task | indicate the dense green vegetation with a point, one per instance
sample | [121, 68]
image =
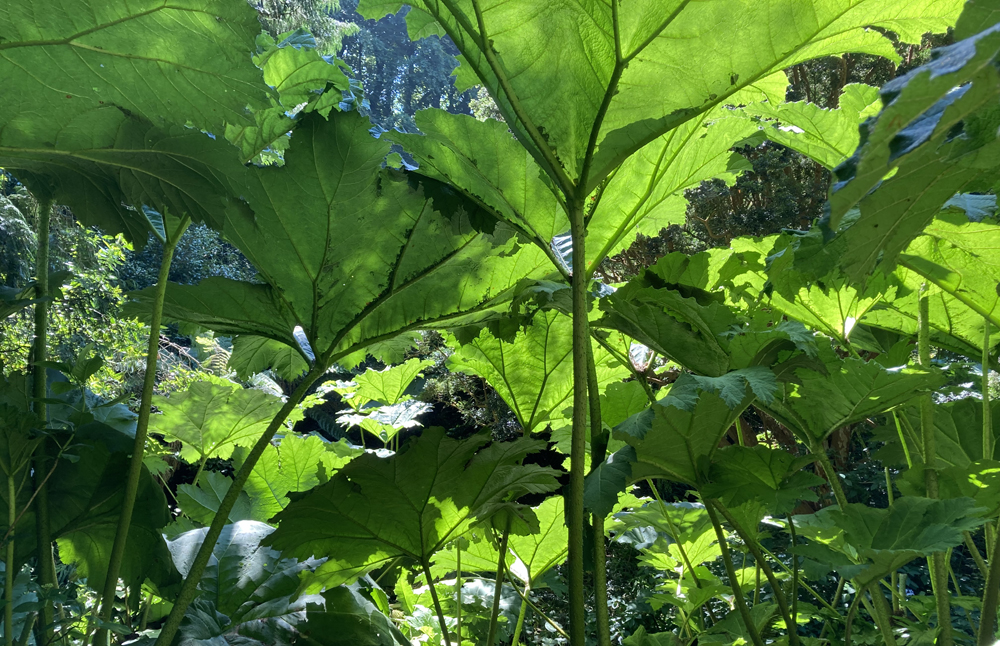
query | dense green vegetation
[656, 323]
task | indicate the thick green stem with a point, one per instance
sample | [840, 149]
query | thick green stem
[8, 587]
[498, 586]
[734, 582]
[991, 597]
[43, 532]
[189, 589]
[893, 578]
[578, 451]
[141, 428]
[598, 452]
[458, 591]
[547, 619]
[831, 474]
[519, 626]
[987, 410]
[970, 545]
[883, 616]
[937, 563]
[437, 603]
[779, 595]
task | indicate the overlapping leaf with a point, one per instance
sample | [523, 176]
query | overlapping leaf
[937, 132]
[98, 53]
[350, 252]
[676, 437]
[429, 493]
[879, 541]
[245, 590]
[615, 65]
[211, 418]
[298, 463]
[826, 136]
[773, 477]
[534, 374]
[852, 390]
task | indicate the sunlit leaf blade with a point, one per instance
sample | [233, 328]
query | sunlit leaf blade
[646, 194]
[484, 161]
[681, 328]
[616, 72]
[688, 526]
[388, 386]
[828, 136]
[86, 504]
[212, 418]
[253, 354]
[962, 258]
[761, 474]
[879, 541]
[675, 439]
[250, 585]
[107, 164]
[429, 494]
[607, 480]
[228, 307]
[352, 253]
[832, 306]
[851, 390]
[953, 325]
[87, 54]
[539, 552]
[919, 108]
[305, 82]
[298, 463]
[201, 502]
[958, 434]
[534, 374]
[348, 618]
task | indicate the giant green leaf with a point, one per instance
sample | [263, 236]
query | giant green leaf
[676, 437]
[211, 418]
[534, 374]
[688, 526]
[95, 108]
[539, 552]
[953, 325]
[107, 165]
[828, 136]
[86, 502]
[388, 386]
[851, 390]
[428, 494]
[253, 354]
[958, 434]
[485, 162]
[297, 463]
[773, 477]
[919, 108]
[251, 586]
[305, 82]
[962, 258]
[350, 252]
[683, 328]
[578, 78]
[348, 618]
[646, 194]
[880, 541]
[86, 494]
[168, 63]
[937, 135]
[201, 502]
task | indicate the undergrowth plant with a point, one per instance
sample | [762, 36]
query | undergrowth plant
[145, 117]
